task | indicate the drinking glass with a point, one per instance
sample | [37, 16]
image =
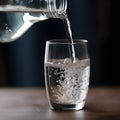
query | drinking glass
[67, 81]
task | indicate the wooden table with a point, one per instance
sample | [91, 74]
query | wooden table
[32, 104]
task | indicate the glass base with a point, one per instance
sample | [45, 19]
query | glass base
[73, 107]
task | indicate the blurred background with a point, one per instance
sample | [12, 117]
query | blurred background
[22, 61]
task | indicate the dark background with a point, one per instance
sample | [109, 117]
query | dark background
[22, 61]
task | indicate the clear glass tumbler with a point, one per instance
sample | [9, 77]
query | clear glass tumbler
[66, 81]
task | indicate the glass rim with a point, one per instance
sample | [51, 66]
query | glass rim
[65, 41]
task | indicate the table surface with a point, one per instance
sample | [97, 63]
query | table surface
[31, 104]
